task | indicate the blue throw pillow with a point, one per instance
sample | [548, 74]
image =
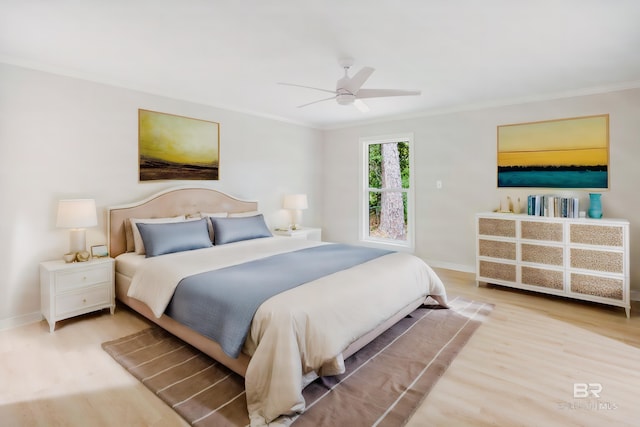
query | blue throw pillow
[166, 238]
[229, 230]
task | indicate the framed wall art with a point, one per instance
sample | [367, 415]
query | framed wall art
[566, 153]
[172, 147]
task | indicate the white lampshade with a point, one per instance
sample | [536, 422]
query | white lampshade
[77, 214]
[295, 201]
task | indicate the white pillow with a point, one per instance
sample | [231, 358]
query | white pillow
[243, 214]
[137, 238]
[214, 215]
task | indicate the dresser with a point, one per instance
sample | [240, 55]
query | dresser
[579, 258]
[71, 289]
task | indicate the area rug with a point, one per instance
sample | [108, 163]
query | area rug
[383, 384]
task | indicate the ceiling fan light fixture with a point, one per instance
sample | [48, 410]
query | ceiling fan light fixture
[345, 98]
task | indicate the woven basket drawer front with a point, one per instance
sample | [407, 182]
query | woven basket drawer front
[493, 249]
[605, 287]
[552, 279]
[536, 230]
[550, 255]
[496, 270]
[497, 227]
[603, 235]
[611, 262]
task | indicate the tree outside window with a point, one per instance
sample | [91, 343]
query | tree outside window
[388, 191]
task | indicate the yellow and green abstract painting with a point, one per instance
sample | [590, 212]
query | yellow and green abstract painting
[173, 147]
[567, 153]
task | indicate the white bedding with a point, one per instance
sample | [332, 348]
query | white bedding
[129, 262]
[289, 340]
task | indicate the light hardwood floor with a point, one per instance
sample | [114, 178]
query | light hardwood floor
[518, 369]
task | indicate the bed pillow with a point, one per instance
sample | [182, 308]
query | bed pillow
[166, 238]
[137, 243]
[228, 230]
[212, 215]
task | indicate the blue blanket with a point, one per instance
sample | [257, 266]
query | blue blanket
[220, 304]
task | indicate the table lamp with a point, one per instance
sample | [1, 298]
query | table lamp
[77, 214]
[296, 203]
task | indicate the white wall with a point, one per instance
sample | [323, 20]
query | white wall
[66, 138]
[460, 150]
[62, 138]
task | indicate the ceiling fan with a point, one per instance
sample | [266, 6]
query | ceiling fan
[348, 89]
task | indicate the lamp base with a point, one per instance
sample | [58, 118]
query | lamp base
[77, 240]
[296, 215]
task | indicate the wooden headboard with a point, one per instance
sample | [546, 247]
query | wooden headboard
[168, 203]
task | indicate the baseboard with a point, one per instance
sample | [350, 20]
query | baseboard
[451, 266]
[25, 319]
[635, 296]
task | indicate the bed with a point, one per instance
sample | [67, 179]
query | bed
[302, 331]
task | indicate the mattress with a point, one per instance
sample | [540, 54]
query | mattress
[128, 262]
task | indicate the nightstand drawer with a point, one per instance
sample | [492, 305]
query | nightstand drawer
[80, 279]
[78, 301]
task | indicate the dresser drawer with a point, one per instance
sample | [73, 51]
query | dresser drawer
[497, 249]
[597, 235]
[605, 261]
[496, 227]
[540, 254]
[497, 270]
[69, 280]
[77, 301]
[605, 287]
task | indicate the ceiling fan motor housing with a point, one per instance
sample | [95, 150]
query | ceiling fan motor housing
[345, 98]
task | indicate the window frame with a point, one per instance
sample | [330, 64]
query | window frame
[364, 189]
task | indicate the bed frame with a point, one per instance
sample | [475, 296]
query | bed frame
[185, 201]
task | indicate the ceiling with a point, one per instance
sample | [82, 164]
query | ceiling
[232, 54]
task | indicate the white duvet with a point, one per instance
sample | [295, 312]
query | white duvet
[301, 332]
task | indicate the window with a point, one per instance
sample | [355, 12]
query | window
[387, 191]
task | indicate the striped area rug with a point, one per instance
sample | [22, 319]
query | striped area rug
[383, 384]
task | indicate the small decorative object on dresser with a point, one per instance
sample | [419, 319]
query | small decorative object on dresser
[99, 251]
[308, 233]
[595, 205]
[71, 289]
[578, 258]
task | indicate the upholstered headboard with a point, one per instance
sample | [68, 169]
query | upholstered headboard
[168, 203]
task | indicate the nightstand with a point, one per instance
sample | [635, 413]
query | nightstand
[71, 289]
[307, 233]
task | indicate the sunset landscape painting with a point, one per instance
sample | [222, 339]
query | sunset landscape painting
[565, 153]
[173, 147]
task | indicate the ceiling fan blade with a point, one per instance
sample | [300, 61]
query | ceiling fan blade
[314, 102]
[361, 106]
[307, 87]
[378, 93]
[355, 83]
